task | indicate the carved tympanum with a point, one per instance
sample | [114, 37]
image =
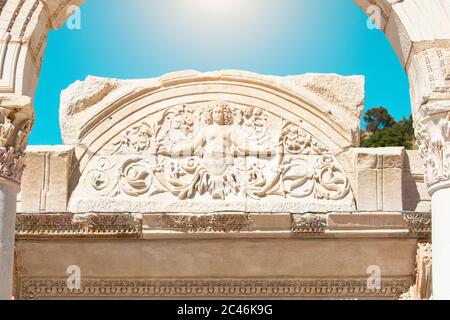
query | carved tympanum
[216, 151]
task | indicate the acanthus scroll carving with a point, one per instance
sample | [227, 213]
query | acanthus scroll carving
[433, 139]
[429, 73]
[13, 142]
[217, 150]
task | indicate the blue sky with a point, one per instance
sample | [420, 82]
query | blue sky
[148, 38]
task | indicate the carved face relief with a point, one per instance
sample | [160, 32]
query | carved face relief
[220, 114]
[218, 152]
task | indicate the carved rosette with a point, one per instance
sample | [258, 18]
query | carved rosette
[13, 142]
[418, 223]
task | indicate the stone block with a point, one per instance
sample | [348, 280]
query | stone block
[378, 178]
[415, 191]
[45, 182]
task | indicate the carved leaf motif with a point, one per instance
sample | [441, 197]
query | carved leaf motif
[13, 141]
[252, 121]
[310, 223]
[136, 140]
[433, 139]
[136, 177]
[206, 223]
[6, 130]
[332, 184]
[298, 141]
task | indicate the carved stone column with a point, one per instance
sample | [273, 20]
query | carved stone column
[14, 129]
[419, 32]
[429, 73]
[23, 35]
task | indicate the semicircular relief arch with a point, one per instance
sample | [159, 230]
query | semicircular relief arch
[239, 137]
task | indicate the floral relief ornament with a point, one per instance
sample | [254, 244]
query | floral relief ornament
[433, 139]
[220, 150]
[13, 141]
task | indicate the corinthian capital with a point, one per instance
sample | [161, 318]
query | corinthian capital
[429, 73]
[433, 139]
[16, 121]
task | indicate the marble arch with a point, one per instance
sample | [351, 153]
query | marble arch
[419, 31]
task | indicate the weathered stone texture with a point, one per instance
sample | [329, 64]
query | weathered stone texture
[45, 186]
[321, 114]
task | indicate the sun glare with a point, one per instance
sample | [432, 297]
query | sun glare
[211, 6]
[223, 8]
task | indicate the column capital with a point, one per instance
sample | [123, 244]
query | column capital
[429, 74]
[432, 128]
[16, 121]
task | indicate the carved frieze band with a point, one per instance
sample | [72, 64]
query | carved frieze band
[206, 223]
[36, 226]
[433, 138]
[13, 141]
[309, 224]
[29, 289]
[55, 226]
[45, 226]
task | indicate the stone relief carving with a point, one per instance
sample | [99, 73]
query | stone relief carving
[423, 287]
[50, 226]
[216, 151]
[309, 224]
[419, 223]
[424, 283]
[13, 141]
[433, 139]
[206, 223]
[29, 289]
[431, 106]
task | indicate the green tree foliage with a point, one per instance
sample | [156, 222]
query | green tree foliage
[383, 131]
[377, 119]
